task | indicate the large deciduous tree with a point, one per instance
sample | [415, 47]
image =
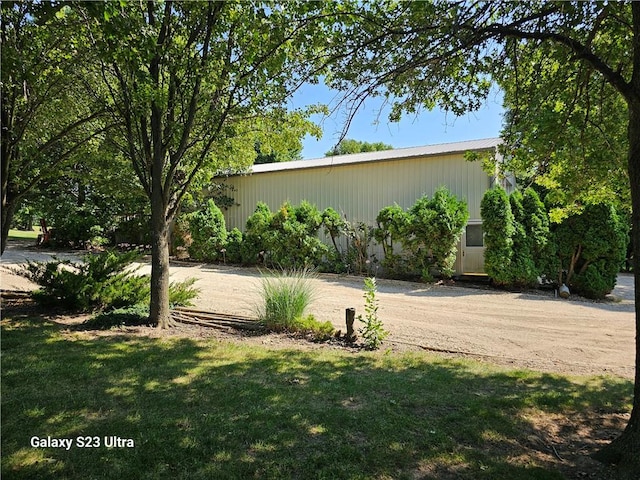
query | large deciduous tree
[187, 82]
[422, 54]
[48, 114]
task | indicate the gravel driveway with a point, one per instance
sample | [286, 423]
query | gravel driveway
[531, 329]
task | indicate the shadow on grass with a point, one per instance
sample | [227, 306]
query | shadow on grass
[209, 409]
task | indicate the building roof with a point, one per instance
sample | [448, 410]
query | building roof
[398, 153]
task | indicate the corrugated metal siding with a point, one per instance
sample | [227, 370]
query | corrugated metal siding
[360, 190]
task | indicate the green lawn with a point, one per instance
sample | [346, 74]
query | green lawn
[24, 234]
[206, 409]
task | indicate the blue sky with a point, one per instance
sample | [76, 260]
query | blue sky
[426, 128]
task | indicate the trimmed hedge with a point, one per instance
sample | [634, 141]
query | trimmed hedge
[498, 226]
[585, 251]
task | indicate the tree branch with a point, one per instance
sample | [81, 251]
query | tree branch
[580, 50]
[61, 158]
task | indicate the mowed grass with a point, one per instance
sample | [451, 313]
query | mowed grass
[207, 409]
[23, 234]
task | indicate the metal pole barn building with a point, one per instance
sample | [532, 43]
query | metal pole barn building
[359, 185]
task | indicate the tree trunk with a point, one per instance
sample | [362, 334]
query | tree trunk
[8, 211]
[159, 307]
[625, 450]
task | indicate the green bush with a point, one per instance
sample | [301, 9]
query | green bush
[522, 272]
[416, 240]
[102, 281]
[284, 239]
[208, 233]
[591, 247]
[334, 226]
[98, 281]
[256, 235]
[285, 298]
[596, 281]
[69, 225]
[135, 230]
[536, 225]
[531, 248]
[451, 216]
[78, 231]
[498, 226]
[233, 249]
[181, 293]
[434, 227]
[392, 223]
[517, 245]
[294, 242]
[308, 215]
[585, 251]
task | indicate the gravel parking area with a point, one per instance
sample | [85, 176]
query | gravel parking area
[529, 329]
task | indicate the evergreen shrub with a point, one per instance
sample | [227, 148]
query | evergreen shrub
[537, 228]
[208, 233]
[285, 239]
[591, 247]
[294, 242]
[234, 246]
[256, 235]
[445, 230]
[120, 317]
[334, 226]
[433, 229]
[392, 224]
[498, 227]
[98, 282]
[522, 272]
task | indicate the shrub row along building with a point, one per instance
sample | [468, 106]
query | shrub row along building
[359, 185]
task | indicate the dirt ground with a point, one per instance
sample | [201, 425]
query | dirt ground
[530, 329]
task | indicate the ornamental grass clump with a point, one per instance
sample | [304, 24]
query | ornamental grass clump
[285, 299]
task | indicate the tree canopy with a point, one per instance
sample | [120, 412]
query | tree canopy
[48, 113]
[571, 141]
[422, 54]
[348, 146]
[282, 141]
